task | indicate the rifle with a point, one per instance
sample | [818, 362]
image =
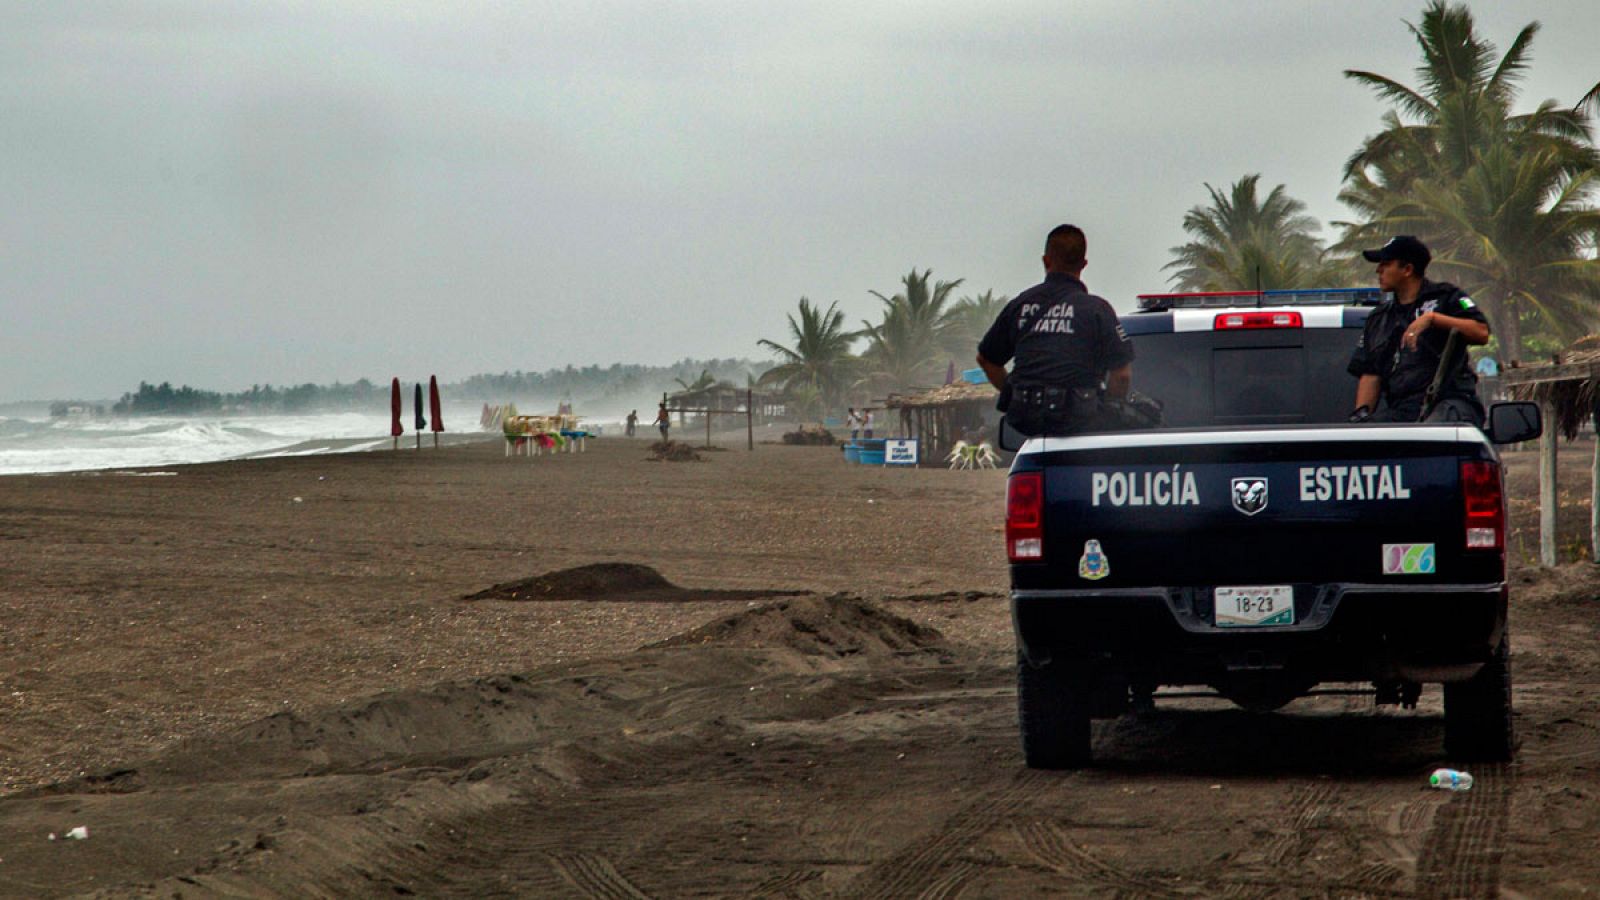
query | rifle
[1454, 349]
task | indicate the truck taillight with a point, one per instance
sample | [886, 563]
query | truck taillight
[1226, 321]
[1025, 516]
[1485, 507]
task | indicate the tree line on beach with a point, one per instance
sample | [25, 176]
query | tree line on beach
[606, 387]
[1505, 200]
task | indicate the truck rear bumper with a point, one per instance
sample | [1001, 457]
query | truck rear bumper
[1343, 632]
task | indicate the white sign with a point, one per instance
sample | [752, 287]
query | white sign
[900, 452]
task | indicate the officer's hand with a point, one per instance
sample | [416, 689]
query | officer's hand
[1408, 340]
[1360, 415]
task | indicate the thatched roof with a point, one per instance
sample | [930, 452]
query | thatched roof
[955, 392]
[1572, 400]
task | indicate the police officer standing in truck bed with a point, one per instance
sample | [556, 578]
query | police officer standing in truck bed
[1404, 339]
[1065, 342]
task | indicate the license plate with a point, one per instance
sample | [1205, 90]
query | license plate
[1254, 607]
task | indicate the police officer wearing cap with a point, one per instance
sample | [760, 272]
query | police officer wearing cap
[1404, 339]
[1065, 343]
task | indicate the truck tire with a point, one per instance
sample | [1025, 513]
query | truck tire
[1477, 712]
[1053, 709]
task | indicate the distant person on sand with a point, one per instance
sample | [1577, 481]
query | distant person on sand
[867, 417]
[663, 420]
[852, 422]
[633, 422]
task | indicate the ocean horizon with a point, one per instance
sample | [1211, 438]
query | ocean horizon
[43, 445]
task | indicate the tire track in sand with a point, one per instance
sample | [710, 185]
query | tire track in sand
[1308, 808]
[595, 877]
[1048, 843]
[788, 884]
[1462, 853]
[925, 864]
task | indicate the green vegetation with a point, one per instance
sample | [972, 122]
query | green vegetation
[919, 336]
[610, 387]
[1503, 199]
[903, 349]
[1242, 243]
[816, 370]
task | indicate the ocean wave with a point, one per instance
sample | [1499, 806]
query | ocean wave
[64, 445]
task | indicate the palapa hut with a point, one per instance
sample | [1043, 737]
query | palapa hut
[939, 417]
[1567, 391]
[722, 398]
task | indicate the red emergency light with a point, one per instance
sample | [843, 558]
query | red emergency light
[1265, 319]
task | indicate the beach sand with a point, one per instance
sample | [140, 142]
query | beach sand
[265, 677]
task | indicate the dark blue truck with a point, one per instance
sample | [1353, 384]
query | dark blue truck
[1258, 543]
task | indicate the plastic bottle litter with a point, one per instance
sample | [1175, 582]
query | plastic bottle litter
[1450, 780]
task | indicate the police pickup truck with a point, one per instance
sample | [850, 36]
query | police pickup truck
[1258, 543]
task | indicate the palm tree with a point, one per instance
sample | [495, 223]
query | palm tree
[1519, 230]
[904, 347]
[1502, 198]
[705, 380]
[818, 358]
[1242, 243]
[965, 323]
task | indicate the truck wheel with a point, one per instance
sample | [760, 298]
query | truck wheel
[1477, 713]
[1053, 708]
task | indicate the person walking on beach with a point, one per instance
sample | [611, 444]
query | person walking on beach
[633, 423]
[1064, 342]
[1404, 339]
[867, 419]
[853, 422]
[663, 421]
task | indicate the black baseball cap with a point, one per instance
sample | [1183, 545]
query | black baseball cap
[1402, 248]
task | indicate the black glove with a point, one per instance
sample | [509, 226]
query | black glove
[1360, 415]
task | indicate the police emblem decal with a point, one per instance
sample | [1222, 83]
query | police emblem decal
[1093, 564]
[1249, 494]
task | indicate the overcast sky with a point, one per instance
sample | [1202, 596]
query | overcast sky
[222, 194]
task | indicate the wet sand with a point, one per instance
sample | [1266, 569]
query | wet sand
[265, 677]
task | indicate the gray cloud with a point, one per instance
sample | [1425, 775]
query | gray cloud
[284, 192]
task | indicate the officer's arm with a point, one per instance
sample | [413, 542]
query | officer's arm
[995, 371]
[1472, 331]
[1367, 390]
[1119, 381]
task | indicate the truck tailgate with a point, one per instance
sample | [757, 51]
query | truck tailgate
[1257, 506]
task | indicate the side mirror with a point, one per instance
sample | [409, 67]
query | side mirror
[1513, 422]
[1010, 439]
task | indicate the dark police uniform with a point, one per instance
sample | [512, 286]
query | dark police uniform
[1406, 374]
[1064, 340]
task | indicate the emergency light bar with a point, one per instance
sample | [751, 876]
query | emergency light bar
[1291, 297]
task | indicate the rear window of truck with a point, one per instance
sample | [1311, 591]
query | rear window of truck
[1254, 377]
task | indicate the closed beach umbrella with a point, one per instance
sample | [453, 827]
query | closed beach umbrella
[421, 422]
[433, 403]
[395, 428]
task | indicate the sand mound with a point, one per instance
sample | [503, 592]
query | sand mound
[433, 725]
[616, 582]
[832, 627]
[581, 583]
[672, 451]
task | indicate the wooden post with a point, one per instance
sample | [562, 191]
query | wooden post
[1594, 500]
[1547, 491]
[708, 426]
[750, 419]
